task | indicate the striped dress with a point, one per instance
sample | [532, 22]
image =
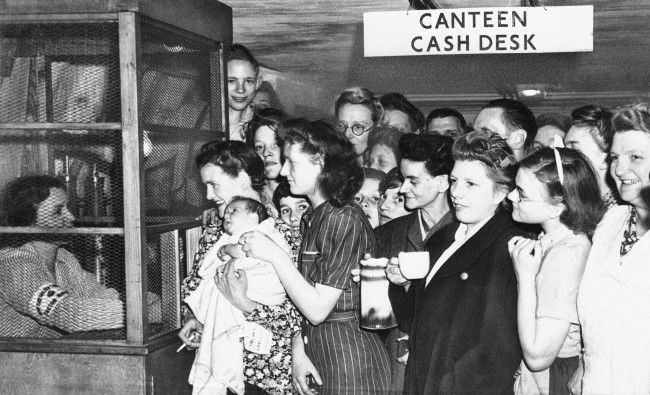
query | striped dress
[350, 360]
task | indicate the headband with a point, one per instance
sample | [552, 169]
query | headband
[557, 143]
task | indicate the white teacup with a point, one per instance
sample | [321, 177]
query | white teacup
[414, 265]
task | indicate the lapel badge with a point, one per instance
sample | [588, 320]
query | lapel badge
[464, 276]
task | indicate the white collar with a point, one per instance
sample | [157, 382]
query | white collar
[463, 234]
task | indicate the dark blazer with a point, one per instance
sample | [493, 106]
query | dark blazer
[403, 234]
[463, 325]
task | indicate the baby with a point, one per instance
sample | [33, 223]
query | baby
[218, 364]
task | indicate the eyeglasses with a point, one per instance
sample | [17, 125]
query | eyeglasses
[367, 200]
[357, 129]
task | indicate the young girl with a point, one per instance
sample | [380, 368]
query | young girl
[557, 189]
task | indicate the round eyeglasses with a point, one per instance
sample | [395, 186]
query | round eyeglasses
[357, 129]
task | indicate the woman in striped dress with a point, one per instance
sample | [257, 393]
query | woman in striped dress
[333, 355]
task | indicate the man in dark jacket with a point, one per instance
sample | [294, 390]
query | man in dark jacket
[425, 166]
[426, 162]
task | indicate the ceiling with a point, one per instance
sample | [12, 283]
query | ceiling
[320, 44]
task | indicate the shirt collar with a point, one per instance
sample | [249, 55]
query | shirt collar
[551, 238]
[463, 234]
[423, 232]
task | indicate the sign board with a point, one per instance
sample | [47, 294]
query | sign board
[493, 30]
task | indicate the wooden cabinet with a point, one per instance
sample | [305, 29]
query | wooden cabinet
[115, 98]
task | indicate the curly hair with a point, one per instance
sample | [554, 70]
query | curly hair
[493, 151]
[23, 195]
[398, 102]
[342, 176]
[630, 118]
[579, 189]
[599, 121]
[432, 149]
[233, 157]
[268, 116]
[360, 96]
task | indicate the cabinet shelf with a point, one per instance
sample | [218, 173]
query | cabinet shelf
[60, 231]
[61, 125]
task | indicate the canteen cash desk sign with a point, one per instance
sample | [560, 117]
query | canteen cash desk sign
[479, 31]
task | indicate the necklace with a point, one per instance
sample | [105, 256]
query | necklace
[629, 235]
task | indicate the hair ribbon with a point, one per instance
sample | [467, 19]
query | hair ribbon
[558, 143]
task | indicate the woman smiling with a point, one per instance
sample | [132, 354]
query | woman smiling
[614, 298]
[232, 169]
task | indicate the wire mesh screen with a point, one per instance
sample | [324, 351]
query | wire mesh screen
[62, 237]
[59, 73]
[173, 190]
[80, 296]
[62, 196]
[166, 261]
[88, 164]
[175, 80]
[63, 253]
[177, 101]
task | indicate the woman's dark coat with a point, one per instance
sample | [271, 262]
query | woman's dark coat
[463, 325]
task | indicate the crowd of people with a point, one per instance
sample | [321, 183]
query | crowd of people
[526, 220]
[534, 227]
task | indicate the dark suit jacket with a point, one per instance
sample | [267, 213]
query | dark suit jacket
[403, 234]
[463, 325]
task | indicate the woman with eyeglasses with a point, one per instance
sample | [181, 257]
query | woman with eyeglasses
[357, 112]
[557, 189]
[262, 134]
[614, 298]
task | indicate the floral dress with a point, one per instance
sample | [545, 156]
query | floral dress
[270, 372]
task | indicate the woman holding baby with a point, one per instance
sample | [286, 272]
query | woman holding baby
[231, 170]
[333, 355]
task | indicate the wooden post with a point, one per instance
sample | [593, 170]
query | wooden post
[219, 90]
[133, 177]
[192, 237]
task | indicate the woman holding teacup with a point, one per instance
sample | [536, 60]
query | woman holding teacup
[463, 321]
